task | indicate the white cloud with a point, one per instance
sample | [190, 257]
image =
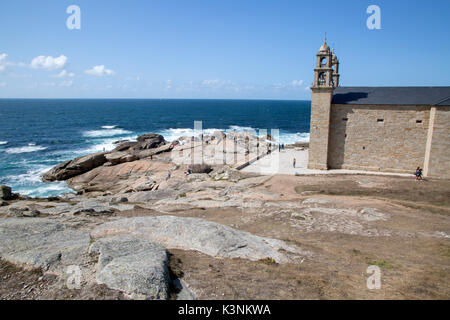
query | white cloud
[4, 63]
[99, 71]
[297, 83]
[2, 84]
[64, 74]
[48, 62]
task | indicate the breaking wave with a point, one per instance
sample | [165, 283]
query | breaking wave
[284, 136]
[27, 149]
[105, 133]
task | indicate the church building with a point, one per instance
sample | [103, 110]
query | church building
[386, 129]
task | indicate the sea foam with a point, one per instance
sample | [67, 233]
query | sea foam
[3, 142]
[284, 137]
[105, 133]
[26, 149]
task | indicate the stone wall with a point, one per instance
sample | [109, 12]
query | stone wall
[380, 138]
[437, 162]
[320, 120]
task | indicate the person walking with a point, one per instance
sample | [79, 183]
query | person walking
[418, 173]
[293, 162]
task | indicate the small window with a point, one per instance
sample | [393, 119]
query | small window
[380, 120]
[418, 121]
[344, 119]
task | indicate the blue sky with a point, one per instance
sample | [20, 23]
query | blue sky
[215, 49]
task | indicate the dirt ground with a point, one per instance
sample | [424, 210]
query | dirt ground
[411, 246]
[20, 284]
[412, 267]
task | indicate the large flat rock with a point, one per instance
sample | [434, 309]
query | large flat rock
[201, 235]
[41, 243]
[135, 266]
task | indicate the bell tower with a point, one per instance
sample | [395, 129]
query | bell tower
[323, 73]
[335, 67]
[325, 80]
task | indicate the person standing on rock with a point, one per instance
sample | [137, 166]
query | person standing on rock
[168, 175]
[293, 162]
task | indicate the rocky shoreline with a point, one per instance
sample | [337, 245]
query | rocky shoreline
[129, 254]
[142, 206]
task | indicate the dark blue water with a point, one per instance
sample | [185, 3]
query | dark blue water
[38, 134]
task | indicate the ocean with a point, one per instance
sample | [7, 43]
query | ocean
[36, 134]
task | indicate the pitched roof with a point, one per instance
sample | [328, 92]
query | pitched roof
[434, 96]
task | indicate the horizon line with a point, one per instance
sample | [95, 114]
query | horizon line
[249, 99]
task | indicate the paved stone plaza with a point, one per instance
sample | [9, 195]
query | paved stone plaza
[281, 163]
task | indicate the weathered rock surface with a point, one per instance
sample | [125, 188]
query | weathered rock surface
[131, 167]
[87, 207]
[125, 152]
[119, 157]
[144, 184]
[149, 141]
[197, 234]
[145, 153]
[135, 266]
[120, 178]
[22, 208]
[72, 168]
[146, 196]
[5, 193]
[91, 208]
[16, 211]
[125, 146]
[316, 214]
[200, 168]
[41, 243]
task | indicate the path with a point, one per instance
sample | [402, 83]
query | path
[281, 163]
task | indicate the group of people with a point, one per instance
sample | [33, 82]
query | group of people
[188, 172]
